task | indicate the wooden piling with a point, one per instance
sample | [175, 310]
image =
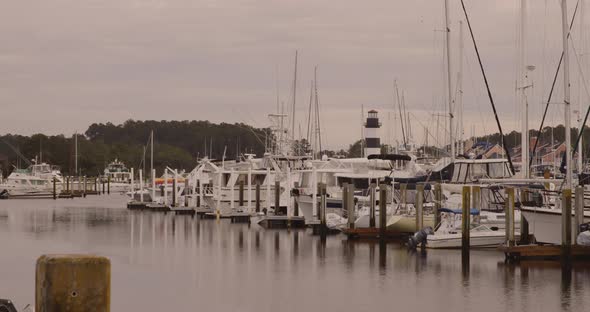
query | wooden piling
[476, 197]
[344, 197]
[382, 210]
[465, 219]
[372, 189]
[85, 185]
[257, 200]
[241, 194]
[173, 192]
[54, 188]
[67, 184]
[524, 224]
[437, 203]
[186, 192]
[75, 283]
[277, 197]
[323, 225]
[509, 217]
[109, 185]
[566, 224]
[295, 200]
[579, 211]
[350, 205]
[403, 191]
[419, 207]
[199, 193]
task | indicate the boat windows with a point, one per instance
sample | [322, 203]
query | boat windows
[478, 171]
[497, 170]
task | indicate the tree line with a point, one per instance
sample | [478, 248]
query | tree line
[177, 144]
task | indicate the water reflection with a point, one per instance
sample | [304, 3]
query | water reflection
[220, 266]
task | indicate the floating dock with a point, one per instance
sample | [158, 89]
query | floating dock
[373, 233]
[281, 222]
[544, 252]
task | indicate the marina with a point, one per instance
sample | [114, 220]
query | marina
[321, 156]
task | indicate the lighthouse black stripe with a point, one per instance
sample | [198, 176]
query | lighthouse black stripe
[372, 123]
[373, 142]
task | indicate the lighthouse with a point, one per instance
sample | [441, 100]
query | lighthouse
[372, 140]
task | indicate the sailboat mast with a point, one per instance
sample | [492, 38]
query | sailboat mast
[448, 68]
[152, 155]
[566, 94]
[294, 99]
[461, 147]
[523, 98]
[580, 106]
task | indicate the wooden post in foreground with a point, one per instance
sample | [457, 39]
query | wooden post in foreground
[75, 283]
[372, 190]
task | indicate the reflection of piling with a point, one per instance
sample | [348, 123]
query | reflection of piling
[465, 218]
[372, 189]
[419, 207]
[566, 225]
[75, 283]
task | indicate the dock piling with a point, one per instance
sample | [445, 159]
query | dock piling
[277, 197]
[295, 200]
[109, 185]
[54, 188]
[350, 205]
[372, 189]
[403, 192]
[323, 225]
[509, 212]
[85, 185]
[465, 220]
[257, 197]
[579, 210]
[382, 210]
[241, 194]
[419, 207]
[173, 192]
[566, 224]
[75, 283]
[437, 203]
[345, 199]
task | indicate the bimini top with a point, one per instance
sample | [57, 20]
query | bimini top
[472, 211]
[390, 157]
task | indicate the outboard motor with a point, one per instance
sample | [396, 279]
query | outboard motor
[420, 237]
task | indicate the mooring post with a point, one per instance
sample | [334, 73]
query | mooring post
[141, 185]
[419, 207]
[296, 199]
[96, 186]
[109, 185]
[54, 188]
[249, 189]
[75, 283]
[509, 211]
[241, 195]
[68, 184]
[566, 224]
[186, 192]
[199, 186]
[85, 185]
[382, 210]
[344, 198]
[579, 211]
[173, 192]
[372, 189]
[465, 220]
[323, 225]
[277, 197]
[351, 205]
[402, 188]
[104, 189]
[437, 203]
[524, 223]
[257, 197]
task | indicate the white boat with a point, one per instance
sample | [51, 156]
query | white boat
[545, 222]
[22, 182]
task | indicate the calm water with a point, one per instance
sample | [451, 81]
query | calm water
[163, 262]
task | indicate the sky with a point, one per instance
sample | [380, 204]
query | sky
[65, 64]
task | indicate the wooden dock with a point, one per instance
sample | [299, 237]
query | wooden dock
[544, 252]
[183, 210]
[281, 222]
[373, 233]
[135, 205]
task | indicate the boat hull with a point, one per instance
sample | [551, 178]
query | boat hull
[546, 224]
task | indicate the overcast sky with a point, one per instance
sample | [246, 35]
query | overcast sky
[67, 63]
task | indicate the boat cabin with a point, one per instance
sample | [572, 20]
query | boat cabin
[471, 170]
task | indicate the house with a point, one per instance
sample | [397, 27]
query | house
[485, 150]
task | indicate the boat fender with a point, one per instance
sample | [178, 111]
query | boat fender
[420, 237]
[583, 239]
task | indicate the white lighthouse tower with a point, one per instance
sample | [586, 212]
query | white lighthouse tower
[372, 140]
